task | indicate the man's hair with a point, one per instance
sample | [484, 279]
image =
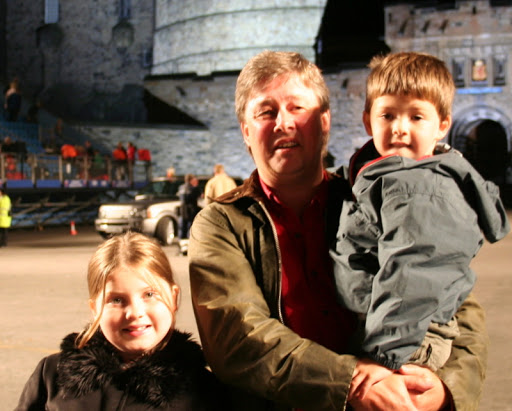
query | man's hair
[266, 66]
[417, 75]
[218, 168]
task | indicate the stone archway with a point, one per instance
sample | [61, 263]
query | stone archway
[483, 135]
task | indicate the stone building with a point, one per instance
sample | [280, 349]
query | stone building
[82, 60]
[109, 56]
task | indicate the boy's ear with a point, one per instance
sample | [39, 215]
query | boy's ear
[444, 127]
[367, 123]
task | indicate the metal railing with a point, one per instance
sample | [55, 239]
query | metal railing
[25, 170]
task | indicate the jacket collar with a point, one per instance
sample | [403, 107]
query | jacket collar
[155, 379]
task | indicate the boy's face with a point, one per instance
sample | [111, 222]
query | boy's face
[405, 126]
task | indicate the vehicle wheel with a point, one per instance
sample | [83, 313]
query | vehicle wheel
[104, 235]
[165, 231]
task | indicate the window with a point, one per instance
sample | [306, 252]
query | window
[479, 72]
[500, 64]
[125, 10]
[458, 72]
[51, 11]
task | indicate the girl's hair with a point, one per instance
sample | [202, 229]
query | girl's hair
[417, 75]
[129, 250]
[267, 66]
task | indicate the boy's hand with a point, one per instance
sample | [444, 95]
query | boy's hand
[366, 374]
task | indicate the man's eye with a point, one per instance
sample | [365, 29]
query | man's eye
[265, 113]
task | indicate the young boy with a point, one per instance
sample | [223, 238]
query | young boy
[404, 247]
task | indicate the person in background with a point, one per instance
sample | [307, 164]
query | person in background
[119, 157]
[261, 277]
[12, 100]
[189, 194]
[130, 356]
[219, 184]
[5, 216]
[170, 173]
[404, 247]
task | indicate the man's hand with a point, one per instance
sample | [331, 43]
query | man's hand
[417, 379]
[366, 374]
[414, 388]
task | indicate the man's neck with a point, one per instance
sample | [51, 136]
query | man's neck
[297, 194]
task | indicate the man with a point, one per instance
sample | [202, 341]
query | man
[5, 216]
[219, 184]
[189, 193]
[261, 278]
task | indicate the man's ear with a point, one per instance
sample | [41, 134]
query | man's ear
[367, 123]
[245, 133]
[326, 121]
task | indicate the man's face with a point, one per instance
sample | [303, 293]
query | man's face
[285, 131]
[405, 126]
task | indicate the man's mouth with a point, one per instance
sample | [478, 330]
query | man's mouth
[289, 144]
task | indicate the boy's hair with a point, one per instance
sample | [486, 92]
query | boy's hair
[418, 75]
[266, 66]
[136, 252]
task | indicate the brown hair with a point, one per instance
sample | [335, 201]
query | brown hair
[135, 251]
[412, 74]
[266, 66]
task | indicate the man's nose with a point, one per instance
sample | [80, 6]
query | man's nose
[284, 121]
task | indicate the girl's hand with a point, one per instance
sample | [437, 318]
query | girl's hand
[366, 374]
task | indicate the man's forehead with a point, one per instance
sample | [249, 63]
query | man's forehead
[266, 92]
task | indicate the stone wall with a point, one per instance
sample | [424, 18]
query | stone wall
[202, 37]
[90, 63]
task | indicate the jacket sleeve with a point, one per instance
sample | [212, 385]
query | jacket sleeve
[464, 372]
[424, 251]
[36, 391]
[243, 344]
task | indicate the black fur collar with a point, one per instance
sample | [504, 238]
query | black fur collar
[155, 379]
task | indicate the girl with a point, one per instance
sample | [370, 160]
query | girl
[129, 357]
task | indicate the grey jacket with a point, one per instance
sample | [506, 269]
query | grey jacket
[403, 249]
[235, 275]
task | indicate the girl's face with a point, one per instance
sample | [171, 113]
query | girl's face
[135, 318]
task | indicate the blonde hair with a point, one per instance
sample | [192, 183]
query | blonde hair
[266, 66]
[129, 250]
[417, 75]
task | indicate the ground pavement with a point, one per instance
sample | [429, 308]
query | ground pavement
[43, 296]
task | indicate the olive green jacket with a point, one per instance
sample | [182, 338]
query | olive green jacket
[235, 275]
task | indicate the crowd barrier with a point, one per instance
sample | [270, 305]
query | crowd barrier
[27, 170]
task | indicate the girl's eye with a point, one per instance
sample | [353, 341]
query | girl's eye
[115, 300]
[150, 294]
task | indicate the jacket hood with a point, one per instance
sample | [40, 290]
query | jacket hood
[483, 196]
[155, 379]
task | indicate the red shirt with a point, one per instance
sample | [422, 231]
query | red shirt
[309, 300]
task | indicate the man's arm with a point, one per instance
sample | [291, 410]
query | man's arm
[244, 346]
[464, 372]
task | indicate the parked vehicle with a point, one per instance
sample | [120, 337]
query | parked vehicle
[155, 211]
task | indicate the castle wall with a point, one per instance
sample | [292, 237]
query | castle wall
[203, 37]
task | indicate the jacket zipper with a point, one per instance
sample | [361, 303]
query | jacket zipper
[279, 263]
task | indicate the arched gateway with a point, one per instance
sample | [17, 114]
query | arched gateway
[483, 135]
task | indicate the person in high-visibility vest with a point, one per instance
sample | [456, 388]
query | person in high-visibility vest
[5, 216]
